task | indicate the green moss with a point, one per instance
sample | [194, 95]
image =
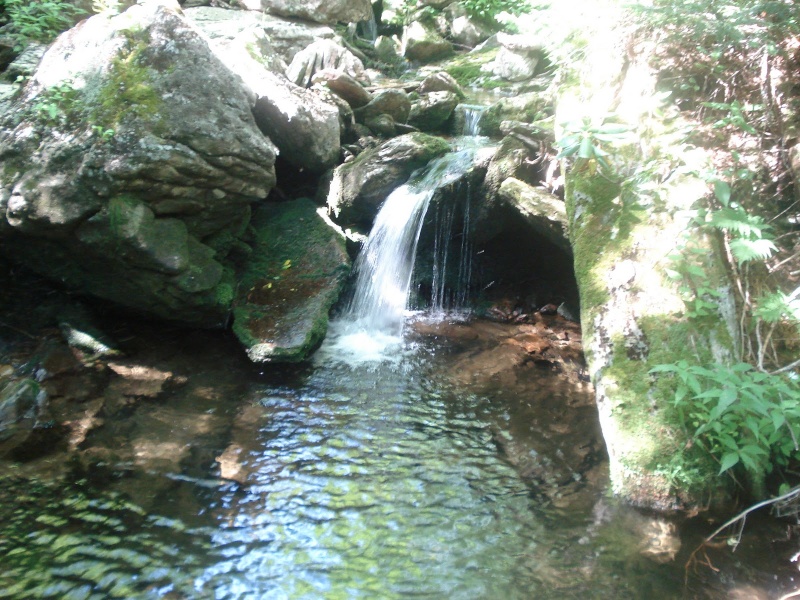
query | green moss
[466, 69]
[128, 91]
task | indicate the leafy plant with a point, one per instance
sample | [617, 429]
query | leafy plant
[110, 7]
[586, 139]
[38, 20]
[489, 9]
[737, 413]
[54, 105]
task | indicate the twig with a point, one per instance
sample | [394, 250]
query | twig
[747, 511]
[788, 367]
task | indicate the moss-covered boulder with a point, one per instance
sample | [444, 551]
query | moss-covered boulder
[130, 161]
[358, 188]
[625, 234]
[432, 111]
[295, 275]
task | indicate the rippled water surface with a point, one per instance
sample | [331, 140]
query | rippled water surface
[331, 481]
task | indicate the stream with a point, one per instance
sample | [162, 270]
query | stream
[203, 478]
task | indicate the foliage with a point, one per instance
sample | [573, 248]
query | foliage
[38, 20]
[586, 141]
[110, 7]
[738, 414]
[489, 9]
[56, 104]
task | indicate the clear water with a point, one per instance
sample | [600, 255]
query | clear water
[342, 479]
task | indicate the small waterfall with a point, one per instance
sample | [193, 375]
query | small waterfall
[472, 117]
[449, 290]
[368, 29]
[385, 265]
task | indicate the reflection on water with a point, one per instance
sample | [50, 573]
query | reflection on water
[380, 480]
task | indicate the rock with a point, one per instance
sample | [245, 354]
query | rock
[22, 405]
[543, 212]
[440, 81]
[117, 189]
[387, 49]
[304, 125]
[465, 29]
[525, 108]
[286, 37]
[25, 64]
[359, 188]
[344, 86]
[320, 11]
[392, 102]
[518, 58]
[382, 125]
[298, 270]
[422, 44]
[324, 55]
[432, 111]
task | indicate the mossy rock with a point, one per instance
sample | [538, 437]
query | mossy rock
[295, 275]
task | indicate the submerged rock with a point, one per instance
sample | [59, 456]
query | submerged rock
[115, 188]
[296, 274]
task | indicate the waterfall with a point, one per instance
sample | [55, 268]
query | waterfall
[472, 117]
[385, 265]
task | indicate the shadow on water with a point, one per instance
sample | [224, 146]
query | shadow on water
[200, 478]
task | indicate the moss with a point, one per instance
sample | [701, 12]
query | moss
[128, 91]
[466, 69]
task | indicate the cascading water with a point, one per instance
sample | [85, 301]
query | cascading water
[375, 317]
[472, 118]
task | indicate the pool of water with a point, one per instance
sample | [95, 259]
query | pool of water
[335, 480]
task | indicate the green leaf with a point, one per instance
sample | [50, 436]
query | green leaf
[729, 460]
[723, 192]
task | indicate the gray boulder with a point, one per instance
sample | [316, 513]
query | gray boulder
[431, 112]
[286, 37]
[319, 11]
[358, 188]
[298, 268]
[344, 86]
[303, 124]
[392, 102]
[322, 55]
[517, 59]
[423, 44]
[441, 81]
[113, 186]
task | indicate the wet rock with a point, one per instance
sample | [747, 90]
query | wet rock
[423, 44]
[392, 102]
[382, 125]
[525, 108]
[22, 412]
[432, 111]
[324, 55]
[440, 81]
[26, 63]
[116, 195]
[296, 274]
[344, 86]
[358, 188]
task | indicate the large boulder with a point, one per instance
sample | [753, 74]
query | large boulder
[318, 11]
[518, 59]
[322, 55]
[358, 188]
[298, 268]
[304, 125]
[123, 176]
[423, 44]
[345, 87]
[286, 37]
[432, 112]
[392, 102]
